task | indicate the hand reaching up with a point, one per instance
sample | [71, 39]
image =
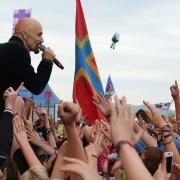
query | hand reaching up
[69, 112]
[141, 122]
[106, 130]
[139, 132]
[94, 149]
[33, 136]
[156, 119]
[121, 121]
[19, 130]
[42, 113]
[28, 122]
[102, 104]
[175, 92]
[29, 105]
[10, 96]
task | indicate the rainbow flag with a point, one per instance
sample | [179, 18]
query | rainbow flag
[87, 80]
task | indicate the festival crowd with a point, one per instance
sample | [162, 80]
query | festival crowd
[123, 145]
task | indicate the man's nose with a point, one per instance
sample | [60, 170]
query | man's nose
[42, 40]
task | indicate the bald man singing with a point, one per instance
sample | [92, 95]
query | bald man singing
[15, 60]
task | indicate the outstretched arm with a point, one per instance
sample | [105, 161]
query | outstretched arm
[6, 128]
[175, 95]
[122, 131]
[20, 134]
[70, 113]
[159, 122]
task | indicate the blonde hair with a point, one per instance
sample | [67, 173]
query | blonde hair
[35, 173]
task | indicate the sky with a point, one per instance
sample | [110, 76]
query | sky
[146, 60]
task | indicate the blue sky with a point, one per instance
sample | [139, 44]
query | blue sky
[145, 62]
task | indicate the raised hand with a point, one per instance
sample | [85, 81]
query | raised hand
[166, 119]
[156, 119]
[69, 112]
[106, 130]
[121, 121]
[20, 134]
[32, 136]
[175, 91]
[10, 96]
[42, 113]
[141, 122]
[95, 148]
[51, 122]
[29, 105]
[19, 130]
[102, 104]
[138, 133]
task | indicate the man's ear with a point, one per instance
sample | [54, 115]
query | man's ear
[24, 35]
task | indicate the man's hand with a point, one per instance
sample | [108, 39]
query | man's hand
[156, 119]
[19, 130]
[42, 113]
[48, 54]
[175, 91]
[10, 96]
[69, 112]
[102, 104]
[121, 121]
[33, 136]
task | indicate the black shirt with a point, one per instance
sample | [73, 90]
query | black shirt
[15, 67]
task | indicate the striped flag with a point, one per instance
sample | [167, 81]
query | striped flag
[109, 88]
[87, 80]
[20, 14]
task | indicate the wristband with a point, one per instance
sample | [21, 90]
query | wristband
[164, 130]
[121, 143]
[10, 111]
[165, 127]
[163, 138]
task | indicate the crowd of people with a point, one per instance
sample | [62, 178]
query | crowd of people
[123, 145]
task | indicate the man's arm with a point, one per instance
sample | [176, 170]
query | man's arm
[6, 127]
[23, 70]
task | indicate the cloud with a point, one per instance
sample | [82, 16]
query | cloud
[146, 60]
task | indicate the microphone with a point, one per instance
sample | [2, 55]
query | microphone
[55, 61]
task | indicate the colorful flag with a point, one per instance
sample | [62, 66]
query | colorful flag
[87, 80]
[19, 14]
[109, 88]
